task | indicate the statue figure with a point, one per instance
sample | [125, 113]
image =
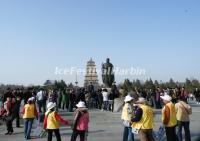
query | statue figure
[107, 73]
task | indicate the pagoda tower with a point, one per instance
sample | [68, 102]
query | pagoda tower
[91, 74]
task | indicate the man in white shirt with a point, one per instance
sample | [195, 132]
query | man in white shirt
[105, 99]
[40, 97]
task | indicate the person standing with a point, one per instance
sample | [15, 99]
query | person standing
[169, 118]
[9, 115]
[51, 122]
[99, 99]
[183, 94]
[183, 111]
[16, 110]
[29, 112]
[40, 98]
[143, 120]
[197, 95]
[81, 120]
[157, 100]
[105, 99]
[127, 114]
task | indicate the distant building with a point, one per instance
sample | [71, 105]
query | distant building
[91, 75]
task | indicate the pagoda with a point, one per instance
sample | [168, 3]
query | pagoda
[91, 74]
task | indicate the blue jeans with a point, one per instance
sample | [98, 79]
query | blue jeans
[186, 127]
[128, 135]
[27, 127]
[105, 105]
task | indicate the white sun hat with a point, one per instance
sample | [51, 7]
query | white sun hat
[51, 105]
[141, 100]
[166, 97]
[31, 99]
[128, 98]
[81, 104]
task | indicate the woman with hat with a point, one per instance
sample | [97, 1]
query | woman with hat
[81, 120]
[143, 120]
[169, 118]
[51, 122]
[127, 114]
[29, 114]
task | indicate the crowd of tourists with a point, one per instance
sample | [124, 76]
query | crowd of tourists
[44, 104]
[137, 113]
[138, 118]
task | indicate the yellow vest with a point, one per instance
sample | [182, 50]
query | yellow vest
[125, 113]
[146, 121]
[52, 123]
[29, 111]
[172, 121]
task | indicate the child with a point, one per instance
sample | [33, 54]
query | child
[51, 121]
[81, 121]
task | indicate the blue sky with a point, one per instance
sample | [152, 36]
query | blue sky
[160, 36]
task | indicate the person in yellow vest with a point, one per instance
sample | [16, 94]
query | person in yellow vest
[29, 112]
[51, 122]
[169, 118]
[127, 114]
[143, 120]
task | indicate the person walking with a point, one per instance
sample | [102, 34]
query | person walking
[143, 120]
[127, 114]
[169, 118]
[51, 122]
[183, 111]
[81, 120]
[29, 112]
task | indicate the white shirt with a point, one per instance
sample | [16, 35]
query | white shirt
[39, 95]
[105, 96]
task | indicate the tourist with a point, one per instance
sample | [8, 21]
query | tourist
[72, 99]
[105, 99]
[87, 99]
[65, 99]
[81, 120]
[99, 99]
[157, 100]
[183, 94]
[51, 122]
[143, 120]
[127, 114]
[197, 95]
[8, 115]
[40, 100]
[111, 98]
[183, 111]
[16, 110]
[29, 114]
[169, 118]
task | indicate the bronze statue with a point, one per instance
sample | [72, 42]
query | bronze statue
[108, 73]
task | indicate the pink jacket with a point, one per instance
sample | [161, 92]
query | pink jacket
[82, 124]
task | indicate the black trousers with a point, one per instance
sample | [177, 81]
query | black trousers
[50, 134]
[171, 133]
[76, 133]
[9, 126]
[17, 120]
